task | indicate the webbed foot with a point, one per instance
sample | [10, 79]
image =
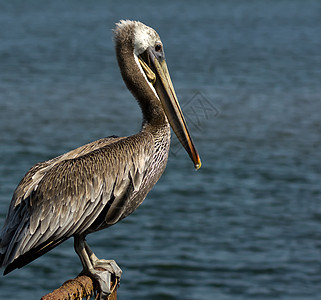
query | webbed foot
[109, 265]
[101, 270]
[103, 279]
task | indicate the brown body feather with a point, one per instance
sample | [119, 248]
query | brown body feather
[83, 191]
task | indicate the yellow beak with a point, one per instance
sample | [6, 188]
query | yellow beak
[166, 93]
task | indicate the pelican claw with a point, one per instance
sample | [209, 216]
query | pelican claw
[103, 279]
[106, 268]
[100, 270]
[109, 265]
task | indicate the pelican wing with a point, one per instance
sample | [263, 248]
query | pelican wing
[66, 196]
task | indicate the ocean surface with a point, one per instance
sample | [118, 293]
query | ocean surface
[247, 225]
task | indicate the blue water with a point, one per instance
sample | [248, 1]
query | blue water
[247, 225]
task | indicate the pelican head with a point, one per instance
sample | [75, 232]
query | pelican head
[141, 59]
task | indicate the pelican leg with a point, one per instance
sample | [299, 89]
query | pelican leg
[102, 277]
[109, 265]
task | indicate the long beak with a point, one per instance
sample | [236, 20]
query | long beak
[166, 93]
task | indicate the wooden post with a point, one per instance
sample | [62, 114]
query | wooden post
[80, 287]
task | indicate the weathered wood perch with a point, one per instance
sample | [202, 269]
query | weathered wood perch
[80, 287]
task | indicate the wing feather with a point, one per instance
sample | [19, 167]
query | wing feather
[67, 195]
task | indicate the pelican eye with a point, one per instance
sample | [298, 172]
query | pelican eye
[158, 47]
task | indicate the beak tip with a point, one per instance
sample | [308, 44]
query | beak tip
[198, 165]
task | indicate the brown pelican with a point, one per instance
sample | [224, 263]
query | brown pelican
[98, 184]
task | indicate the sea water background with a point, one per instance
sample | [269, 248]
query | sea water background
[247, 225]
